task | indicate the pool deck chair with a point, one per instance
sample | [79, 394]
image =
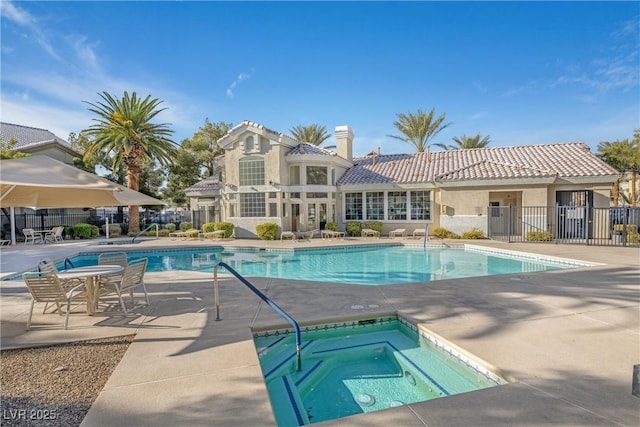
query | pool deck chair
[288, 235]
[213, 235]
[133, 277]
[309, 234]
[30, 236]
[418, 233]
[397, 232]
[46, 288]
[368, 232]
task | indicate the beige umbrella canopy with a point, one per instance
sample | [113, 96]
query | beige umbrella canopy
[42, 182]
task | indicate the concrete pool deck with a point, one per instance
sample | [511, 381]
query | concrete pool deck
[569, 338]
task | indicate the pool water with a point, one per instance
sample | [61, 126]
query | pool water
[377, 265]
[361, 367]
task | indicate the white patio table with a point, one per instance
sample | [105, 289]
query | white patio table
[90, 273]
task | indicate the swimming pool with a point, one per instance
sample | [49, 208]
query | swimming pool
[363, 265]
[362, 366]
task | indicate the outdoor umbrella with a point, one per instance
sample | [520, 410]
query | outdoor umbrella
[42, 182]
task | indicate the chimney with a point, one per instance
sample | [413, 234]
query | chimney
[344, 142]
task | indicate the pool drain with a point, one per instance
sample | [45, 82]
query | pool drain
[365, 399]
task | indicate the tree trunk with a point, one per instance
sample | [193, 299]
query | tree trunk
[133, 183]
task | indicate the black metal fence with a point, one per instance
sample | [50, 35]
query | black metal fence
[565, 224]
[44, 219]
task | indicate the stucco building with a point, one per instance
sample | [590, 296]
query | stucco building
[267, 176]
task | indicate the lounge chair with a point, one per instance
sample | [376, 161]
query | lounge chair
[31, 235]
[132, 278]
[186, 234]
[46, 287]
[5, 242]
[309, 234]
[368, 232]
[418, 233]
[55, 235]
[330, 234]
[288, 235]
[397, 232]
[217, 235]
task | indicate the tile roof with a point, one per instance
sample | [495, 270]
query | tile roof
[527, 161]
[306, 148]
[211, 183]
[28, 137]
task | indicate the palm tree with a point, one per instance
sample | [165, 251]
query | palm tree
[624, 156]
[313, 134]
[125, 132]
[465, 142]
[419, 128]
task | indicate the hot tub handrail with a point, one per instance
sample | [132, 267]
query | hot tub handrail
[144, 231]
[264, 298]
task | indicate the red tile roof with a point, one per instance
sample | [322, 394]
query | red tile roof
[527, 161]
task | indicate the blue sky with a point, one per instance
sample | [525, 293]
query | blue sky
[521, 72]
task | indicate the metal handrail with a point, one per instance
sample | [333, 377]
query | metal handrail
[264, 298]
[144, 231]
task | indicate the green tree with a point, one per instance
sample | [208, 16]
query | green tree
[624, 156]
[125, 132]
[418, 129]
[465, 142]
[313, 134]
[8, 150]
[183, 173]
[204, 144]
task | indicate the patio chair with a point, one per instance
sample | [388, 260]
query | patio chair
[309, 234]
[132, 278]
[397, 232]
[368, 232]
[46, 265]
[31, 235]
[288, 235]
[55, 235]
[46, 287]
[5, 242]
[214, 235]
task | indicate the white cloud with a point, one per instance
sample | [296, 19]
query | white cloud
[28, 22]
[478, 115]
[241, 77]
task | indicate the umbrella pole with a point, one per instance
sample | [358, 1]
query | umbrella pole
[13, 225]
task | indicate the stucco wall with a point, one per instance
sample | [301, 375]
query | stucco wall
[461, 223]
[245, 228]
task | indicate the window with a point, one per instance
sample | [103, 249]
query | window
[397, 209]
[251, 171]
[316, 175]
[317, 195]
[294, 175]
[375, 206]
[232, 209]
[353, 206]
[272, 195]
[295, 195]
[251, 144]
[420, 205]
[273, 209]
[252, 204]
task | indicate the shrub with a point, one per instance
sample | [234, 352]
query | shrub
[374, 225]
[171, 227]
[114, 230]
[85, 231]
[539, 236]
[333, 226]
[353, 228]
[184, 226]
[267, 231]
[474, 233]
[228, 228]
[440, 233]
[208, 227]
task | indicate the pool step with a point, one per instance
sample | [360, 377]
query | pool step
[289, 411]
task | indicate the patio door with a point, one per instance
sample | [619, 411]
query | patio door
[295, 216]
